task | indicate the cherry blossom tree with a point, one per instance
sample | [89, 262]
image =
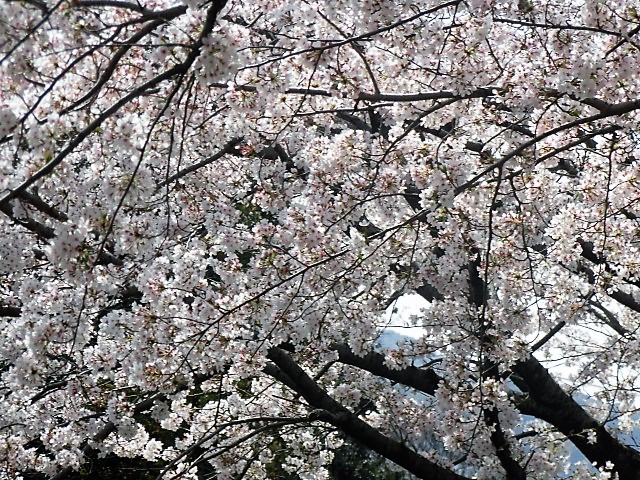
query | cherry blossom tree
[208, 207]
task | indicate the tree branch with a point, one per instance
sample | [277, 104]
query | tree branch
[548, 401]
[228, 148]
[426, 381]
[348, 422]
[545, 400]
[416, 97]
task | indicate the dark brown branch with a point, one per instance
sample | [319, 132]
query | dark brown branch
[514, 470]
[166, 14]
[45, 18]
[84, 133]
[136, 7]
[416, 97]
[330, 411]
[548, 401]
[554, 26]
[589, 253]
[548, 336]
[36, 201]
[374, 97]
[626, 38]
[272, 423]
[607, 317]
[43, 231]
[544, 399]
[427, 381]
[611, 109]
[110, 427]
[107, 430]
[363, 36]
[230, 147]
[625, 299]
[423, 380]
[620, 296]
[294, 91]
[9, 311]
[580, 140]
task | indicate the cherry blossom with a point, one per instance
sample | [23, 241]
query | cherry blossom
[209, 210]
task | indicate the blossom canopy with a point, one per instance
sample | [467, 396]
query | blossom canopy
[209, 211]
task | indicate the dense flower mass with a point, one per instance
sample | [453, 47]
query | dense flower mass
[208, 210]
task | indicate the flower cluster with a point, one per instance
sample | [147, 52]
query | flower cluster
[209, 209]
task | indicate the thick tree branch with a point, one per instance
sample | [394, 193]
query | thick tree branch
[37, 202]
[416, 97]
[548, 401]
[606, 110]
[9, 311]
[514, 470]
[146, 13]
[334, 413]
[554, 26]
[43, 231]
[545, 399]
[548, 336]
[423, 380]
[611, 109]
